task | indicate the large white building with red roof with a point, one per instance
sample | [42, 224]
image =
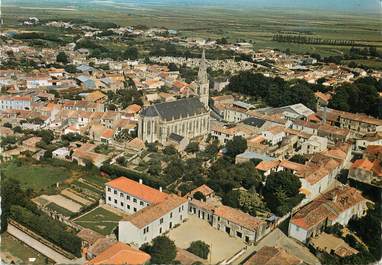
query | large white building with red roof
[131, 196]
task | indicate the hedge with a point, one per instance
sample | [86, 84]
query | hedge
[50, 229]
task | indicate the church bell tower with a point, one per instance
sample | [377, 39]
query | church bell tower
[203, 82]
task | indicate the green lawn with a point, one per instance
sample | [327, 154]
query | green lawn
[16, 248]
[99, 220]
[33, 176]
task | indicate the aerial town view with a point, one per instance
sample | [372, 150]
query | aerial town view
[242, 132]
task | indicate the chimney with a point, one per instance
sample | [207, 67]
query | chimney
[160, 189]
[140, 181]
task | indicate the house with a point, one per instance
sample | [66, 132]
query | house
[15, 103]
[314, 144]
[120, 254]
[131, 196]
[338, 205]
[154, 220]
[62, 153]
[96, 96]
[203, 189]
[358, 123]
[36, 81]
[373, 152]
[31, 142]
[274, 135]
[366, 171]
[85, 154]
[178, 141]
[229, 220]
[368, 139]
[136, 145]
[273, 256]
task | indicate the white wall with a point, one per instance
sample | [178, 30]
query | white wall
[297, 232]
[128, 233]
[130, 205]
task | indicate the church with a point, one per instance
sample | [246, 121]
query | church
[187, 117]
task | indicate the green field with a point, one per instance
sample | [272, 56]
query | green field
[257, 25]
[14, 247]
[59, 209]
[34, 176]
[99, 220]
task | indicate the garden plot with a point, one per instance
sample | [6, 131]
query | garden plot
[75, 197]
[63, 202]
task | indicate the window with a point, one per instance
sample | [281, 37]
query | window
[170, 215]
[121, 203]
[128, 206]
[135, 209]
[145, 230]
[109, 198]
[179, 209]
[161, 221]
[239, 234]
[170, 226]
[115, 201]
[108, 189]
[121, 195]
[134, 200]
[160, 230]
[142, 203]
[115, 192]
[128, 197]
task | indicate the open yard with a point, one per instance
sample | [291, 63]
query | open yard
[37, 177]
[221, 244]
[14, 250]
[99, 220]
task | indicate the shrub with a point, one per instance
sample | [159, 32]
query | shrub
[200, 249]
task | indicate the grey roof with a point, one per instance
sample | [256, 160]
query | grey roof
[254, 155]
[175, 109]
[256, 122]
[175, 137]
[84, 68]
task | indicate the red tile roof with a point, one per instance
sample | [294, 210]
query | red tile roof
[119, 254]
[138, 190]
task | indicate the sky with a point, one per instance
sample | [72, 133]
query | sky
[374, 6]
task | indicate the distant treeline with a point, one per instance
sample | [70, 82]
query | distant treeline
[311, 40]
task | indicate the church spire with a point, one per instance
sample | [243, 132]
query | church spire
[202, 74]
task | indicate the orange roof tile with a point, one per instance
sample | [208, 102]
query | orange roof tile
[119, 254]
[138, 190]
[153, 212]
[238, 217]
[267, 165]
[273, 256]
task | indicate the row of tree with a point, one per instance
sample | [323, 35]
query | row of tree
[303, 39]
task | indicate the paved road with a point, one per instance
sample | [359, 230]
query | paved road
[45, 250]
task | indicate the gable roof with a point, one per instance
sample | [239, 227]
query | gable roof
[153, 212]
[328, 206]
[175, 109]
[119, 254]
[138, 190]
[238, 217]
[272, 256]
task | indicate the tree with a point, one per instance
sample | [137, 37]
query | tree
[11, 194]
[192, 147]
[281, 192]
[249, 202]
[297, 158]
[151, 147]
[7, 125]
[62, 58]
[162, 250]
[236, 146]
[199, 196]
[199, 248]
[131, 53]
[170, 150]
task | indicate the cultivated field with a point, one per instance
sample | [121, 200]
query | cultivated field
[256, 25]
